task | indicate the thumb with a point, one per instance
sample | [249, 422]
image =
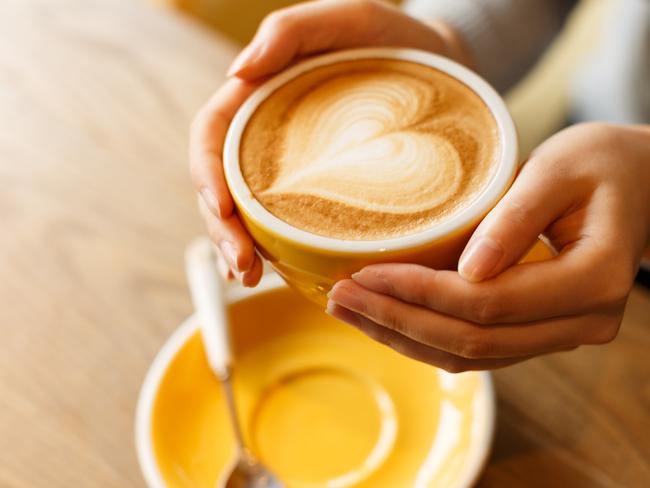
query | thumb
[294, 31]
[534, 201]
[313, 27]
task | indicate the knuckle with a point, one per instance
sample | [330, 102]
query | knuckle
[368, 7]
[197, 167]
[486, 308]
[391, 319]
[385, 279]
[380, 335]
[473, 346]
[384, 339]
[599, 131]
[616, 282]
[612, 296]
[201, 121]
[280, 20]
[215, 230]
[422, 286]
[196, 174]
[361, 306]
[214, 234]
[197, 121]
[454, 366]
[516, 211]
[605, 332]
[619, 288]
[203, 209]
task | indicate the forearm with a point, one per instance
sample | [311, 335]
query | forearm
[502, 38]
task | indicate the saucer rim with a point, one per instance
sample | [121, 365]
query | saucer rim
[484, 408]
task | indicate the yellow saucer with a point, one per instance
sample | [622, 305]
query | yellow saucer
[321, 405]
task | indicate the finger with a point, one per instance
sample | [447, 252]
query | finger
[312, 27]
[512, 227]
[252, 277]
[416, 350]
[223, 266]
[233, 242]
[472, 340]
[285, 34]
[513, 296]
[234, 245]
[206, 145]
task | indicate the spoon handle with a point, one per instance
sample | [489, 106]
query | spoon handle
[208, 296]
[243, 451]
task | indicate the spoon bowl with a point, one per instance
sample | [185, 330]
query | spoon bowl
[249, 473]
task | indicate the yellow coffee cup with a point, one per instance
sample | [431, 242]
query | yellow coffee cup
[312, 263]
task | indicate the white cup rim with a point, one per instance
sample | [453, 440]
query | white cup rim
[464, 218]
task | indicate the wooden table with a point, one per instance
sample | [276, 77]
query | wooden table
[95, 209]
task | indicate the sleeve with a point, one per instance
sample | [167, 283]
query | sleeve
[505, 37]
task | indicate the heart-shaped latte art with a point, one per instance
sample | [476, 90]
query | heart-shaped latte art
[368, 149]
[361, 143]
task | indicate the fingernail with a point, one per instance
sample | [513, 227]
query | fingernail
[372, 280]
[333, 289]
[329, 309]
[480, 259]
[346, 298]
[229, 253]
[211, 201]
[242, 277]
[247, 56]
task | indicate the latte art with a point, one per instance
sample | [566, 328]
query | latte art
[359, 148]
[369, 149]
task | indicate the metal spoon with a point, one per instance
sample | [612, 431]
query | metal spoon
[207, 291]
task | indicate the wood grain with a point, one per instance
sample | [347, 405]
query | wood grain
[95, 209]
[578, 419]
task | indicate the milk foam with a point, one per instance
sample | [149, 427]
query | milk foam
[369, 149]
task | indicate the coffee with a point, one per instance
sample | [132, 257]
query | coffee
[369, 149]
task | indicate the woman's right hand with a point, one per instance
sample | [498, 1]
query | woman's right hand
[283, 37]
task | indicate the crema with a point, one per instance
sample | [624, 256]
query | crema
[369, 149]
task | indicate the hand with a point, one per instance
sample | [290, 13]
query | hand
[283, 37]
[586, 190]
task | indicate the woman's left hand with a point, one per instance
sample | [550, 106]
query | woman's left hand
[586, 189]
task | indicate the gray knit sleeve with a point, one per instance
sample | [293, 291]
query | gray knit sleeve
[505, 37]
